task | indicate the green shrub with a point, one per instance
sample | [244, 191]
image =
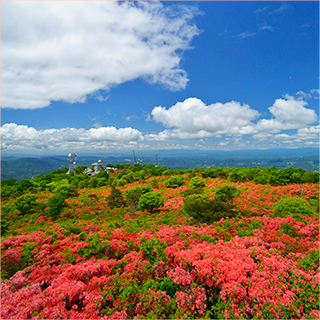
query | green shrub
[167, 172]
[310, 261]
[296, 207]
[197, 182]
[102, 182]
[133, 195]
[311, 177]
[61, 186]
[154, 183]
[263, 179]
[122, 182]
[205, 210]
[226, 193]
[102, 174]
[56, 204]
[151, 200]
[188, 192]
[115, 200]
[25, 203]
[93, 182]
[174, 182]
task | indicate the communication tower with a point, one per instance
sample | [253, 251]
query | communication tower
[72, 163]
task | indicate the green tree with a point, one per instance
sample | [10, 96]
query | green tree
[238, 175]
[93, 182]
[205, 210]
[56, 204]
[263, 179]
[133, 195]
[115, 200]
[226, 193]
[151, 200]
[24, 185]
[174, 182]
[197, 182]
[310, 177]
[102, 182]
[8, 182]
[103, 174]
[60, 186]
[25, 203]
[154, 183]
[296, 207]
[7, 191]
[122, 182]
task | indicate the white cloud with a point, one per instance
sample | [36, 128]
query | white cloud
[302, 135]
[263, 28]
[22, 137]
[293, 111]
[315, 92]
[282, 136]
[192, 119]
[308, 133]
[262, 136]
[246, 34]
[64, 51]
[259, 10]
[283, 8]
[193, 116]
[303, 94]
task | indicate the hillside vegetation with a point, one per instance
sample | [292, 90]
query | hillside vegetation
[151, 242]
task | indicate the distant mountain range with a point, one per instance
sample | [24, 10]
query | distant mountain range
[19, 167]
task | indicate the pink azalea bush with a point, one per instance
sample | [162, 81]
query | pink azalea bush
[101, 263]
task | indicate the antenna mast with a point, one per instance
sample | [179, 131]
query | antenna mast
[134, 157]
[73, 163]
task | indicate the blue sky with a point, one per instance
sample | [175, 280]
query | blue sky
[111, 76]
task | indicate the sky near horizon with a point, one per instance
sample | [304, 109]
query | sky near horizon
[85, 76]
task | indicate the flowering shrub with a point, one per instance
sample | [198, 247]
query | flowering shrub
[103, 262]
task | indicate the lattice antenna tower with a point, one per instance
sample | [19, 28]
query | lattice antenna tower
[72, 163]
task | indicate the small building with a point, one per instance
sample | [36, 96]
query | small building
[95, 168]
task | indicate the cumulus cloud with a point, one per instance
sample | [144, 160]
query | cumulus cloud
[64, 51]
[15, 136]
[289, 113]
[308, 133]
[192, 119]
[194, 116]
[293, 111]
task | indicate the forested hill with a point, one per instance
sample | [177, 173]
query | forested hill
[27, 168]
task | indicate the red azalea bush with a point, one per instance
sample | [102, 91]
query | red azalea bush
[102, 263]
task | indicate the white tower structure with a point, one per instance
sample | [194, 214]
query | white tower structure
[72, 163]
